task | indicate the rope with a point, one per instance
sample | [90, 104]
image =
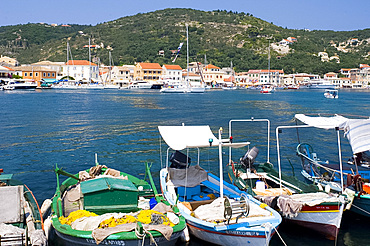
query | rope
[269, 226]
[142, 236]
[38, 207]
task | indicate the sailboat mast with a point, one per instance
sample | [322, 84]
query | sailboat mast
[89, 62]
[269, 64]
[187, 55]
[67, 60]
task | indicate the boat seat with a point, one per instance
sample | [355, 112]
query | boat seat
[189, 192]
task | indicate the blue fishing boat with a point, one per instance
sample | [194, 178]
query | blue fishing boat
[215, 211]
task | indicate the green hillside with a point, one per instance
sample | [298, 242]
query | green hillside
[220, 35]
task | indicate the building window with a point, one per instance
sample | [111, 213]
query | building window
[53, 74]
[30, 74]
[48, 74]
[36, 74]
[44, 74]
[25, 74]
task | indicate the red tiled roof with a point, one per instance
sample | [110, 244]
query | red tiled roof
[211, 66]
[80, 63]
[11, 69]
[173, 67]
[145, 65]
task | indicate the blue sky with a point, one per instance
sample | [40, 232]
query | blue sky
[338, 15]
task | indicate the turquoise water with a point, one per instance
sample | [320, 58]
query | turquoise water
[41, 128]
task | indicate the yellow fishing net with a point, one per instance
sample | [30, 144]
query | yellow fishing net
[75, 215]
[144, 216]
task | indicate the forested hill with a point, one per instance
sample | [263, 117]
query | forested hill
[222, 36]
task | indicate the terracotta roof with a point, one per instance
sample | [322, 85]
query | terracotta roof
[145, 65]
[211, 66]
[229, 79]
[80, 63]
[271, 71]
[173, 67]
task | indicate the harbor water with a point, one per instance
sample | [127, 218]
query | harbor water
[43, 128]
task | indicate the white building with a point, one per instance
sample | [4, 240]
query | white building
[171, 72]
[81, 70]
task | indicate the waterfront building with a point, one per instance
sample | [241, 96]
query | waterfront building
[5, 73]
[55, 66]
[81, 70]
[263, 76]
[212, 75]
[171, 72]
[147, 71]
[35, 73]
[241, 79]
[195, 80]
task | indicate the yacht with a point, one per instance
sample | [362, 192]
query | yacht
[320, 84]
[20, 84]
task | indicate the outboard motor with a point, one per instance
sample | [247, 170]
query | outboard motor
[179, 160]
[248, 159]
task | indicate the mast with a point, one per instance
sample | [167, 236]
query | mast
[67, 60]
[110, 66]
[269, 64]
[187, 55]
[89, 62]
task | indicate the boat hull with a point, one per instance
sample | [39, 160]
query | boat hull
[361, 205]
[228, 237]
[65, 239]
[248, 233]
[313, 218]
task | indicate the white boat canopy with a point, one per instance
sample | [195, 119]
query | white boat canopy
[322, 122]
[182, 137]
[358, 134]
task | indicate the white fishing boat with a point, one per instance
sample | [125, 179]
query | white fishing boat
[298, 202]
[267, 89]
[215, 211]
[333, 94]
[356, 172]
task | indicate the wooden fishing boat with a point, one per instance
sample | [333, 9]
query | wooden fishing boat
[20, 217]
[215, 211]
[298, 202]
[105, 206]
[356, 172]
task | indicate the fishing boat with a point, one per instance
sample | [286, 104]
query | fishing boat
[267, 89]
[215, 211]
[105, 206]
[299, 203]
[332, 94]
[21, 221]
[327, 173]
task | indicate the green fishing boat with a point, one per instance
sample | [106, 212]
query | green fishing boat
[108, 207]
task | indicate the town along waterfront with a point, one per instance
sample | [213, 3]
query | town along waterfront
[41, 128]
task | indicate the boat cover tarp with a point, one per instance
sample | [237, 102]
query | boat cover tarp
[322, 122]
[358, 134]
[189, 177]
[182, 137]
